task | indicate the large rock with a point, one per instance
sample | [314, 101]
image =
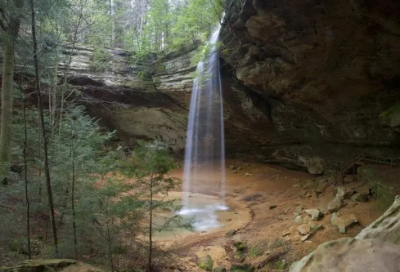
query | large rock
[315, 165]
[319, 76]
[351, 255]
[343, 222]
[386, 227]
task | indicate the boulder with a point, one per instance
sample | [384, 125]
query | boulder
[334, 205]
[386, 227]
[349, 254]
[343, 222]
[315, 165]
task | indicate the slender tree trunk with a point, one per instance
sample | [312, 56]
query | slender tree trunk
[11, 34]
[73, 202]
[112, 23]
[28, 207]
[46, 162]
[109, 242]
[149, 265]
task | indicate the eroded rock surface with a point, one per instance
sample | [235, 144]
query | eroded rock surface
[349, 254]
[320, 75]
[386, 227]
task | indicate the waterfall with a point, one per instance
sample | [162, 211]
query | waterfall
[204, 168]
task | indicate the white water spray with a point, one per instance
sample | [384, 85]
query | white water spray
[205, 142]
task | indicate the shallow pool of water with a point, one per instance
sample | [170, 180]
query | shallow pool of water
[205, 213]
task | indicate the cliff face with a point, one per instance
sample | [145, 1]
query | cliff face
[324, 71]
[306, 83]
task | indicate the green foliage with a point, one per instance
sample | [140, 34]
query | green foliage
[259, 249]
[240, 246]
[381, 189]
[101, 60]
[391, 112]
[277, 243]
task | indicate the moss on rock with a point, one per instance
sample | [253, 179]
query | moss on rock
[206, 263]
[391, 117]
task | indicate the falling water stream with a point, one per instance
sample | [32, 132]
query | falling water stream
[204, 168]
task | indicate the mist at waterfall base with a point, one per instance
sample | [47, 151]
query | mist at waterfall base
[205, 143]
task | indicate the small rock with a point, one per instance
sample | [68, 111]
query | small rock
[219, 269]
[206, 263]
[314, 227]
[231, 167]
[272, 207]
[298, 210]
[298, 219]
[304, 229]
[310, 184]
[320, 189]
[343, 192]
[334, 205]
[304, 238]
[349, 178]
[239, 168]
[314, 213]
[285, 233]
[247, 174]
[307, 195]
[230, 233]
[297, 186]
[343, 222]
[234, 171]
[359, 197]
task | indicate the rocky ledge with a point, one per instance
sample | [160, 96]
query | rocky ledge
[325, 74]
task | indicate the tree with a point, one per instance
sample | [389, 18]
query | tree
[43, 130]
[10, 20]
[149, 165]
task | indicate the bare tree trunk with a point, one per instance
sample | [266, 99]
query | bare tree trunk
[112, 23]
[11, 33]
[73, 200]
[28, 207]
[149, 265]
[46, 161]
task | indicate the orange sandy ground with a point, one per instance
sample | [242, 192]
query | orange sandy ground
[259, 227]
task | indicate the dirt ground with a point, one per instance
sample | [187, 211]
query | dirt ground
[264, 199]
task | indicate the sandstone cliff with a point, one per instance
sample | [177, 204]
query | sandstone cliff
[305, 83]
